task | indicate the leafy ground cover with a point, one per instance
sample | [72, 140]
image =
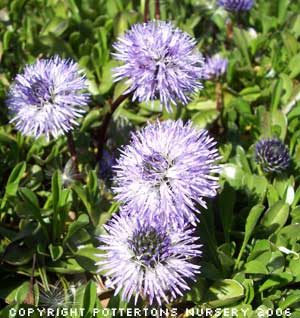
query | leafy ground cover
[51, 215]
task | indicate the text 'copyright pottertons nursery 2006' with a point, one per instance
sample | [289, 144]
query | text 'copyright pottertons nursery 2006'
[148, 312]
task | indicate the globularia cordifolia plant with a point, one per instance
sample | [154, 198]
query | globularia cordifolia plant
[166, 168]
[272, 155]
[214, 67]
[147, 259]
[48, 97]
[236, 5]
[159, 62]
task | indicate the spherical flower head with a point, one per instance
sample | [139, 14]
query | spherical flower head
[165, 170]
[214, 67]
[160, 62]
[47, 98]
[149, 260]
[272, 155]
[236, 5]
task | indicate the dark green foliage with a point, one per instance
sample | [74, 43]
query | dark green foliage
[50, 219]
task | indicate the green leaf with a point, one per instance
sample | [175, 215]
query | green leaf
[278, 119]
[15, 178]
[82, 194]
[56, 252]
[224, 293]
[92, 186]
[251, 94]
[92, 117]
[272, 195]
[256, 267]
[107, 79]
[56, 44]
[256, 184]
[18, 255]
[86, 257]
[242, 159]
[9, 287]
[291, 232]
[22, 292]
[251, 222]
[278, 90]
[226, 202]
[277, 280]
[290, 300]
[197, 292]
[260, 247]
[6, 139]
[276, 263]
[6, 39]
[294, 65]
[67, 267]
[56, 189]
[56, 25]
[132, 116]
[202, 119]
[240, 38]
[275, 217]
[31, 200]
[82, 221]
[282, 10]
[89, 298]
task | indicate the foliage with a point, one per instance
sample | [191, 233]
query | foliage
[50, 220]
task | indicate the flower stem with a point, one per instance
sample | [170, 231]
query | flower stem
[73, 152]
[105, 124]
[157, 10]
[146, 11]
[229, 32]
[219, 96]
[30, 297]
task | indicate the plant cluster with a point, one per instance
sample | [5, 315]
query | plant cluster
[150, 156]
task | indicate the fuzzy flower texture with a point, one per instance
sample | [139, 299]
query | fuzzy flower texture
[236, 5]
[148, 260]
[272, 155]
[165, 169]
[159, 62]
[214, 67]
[47, 98]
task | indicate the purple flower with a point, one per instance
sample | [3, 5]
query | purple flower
[145, 259]
[160, 62]
[236, 5]
[214, 67]
[272, 155]
[165, 169]
[47, 98]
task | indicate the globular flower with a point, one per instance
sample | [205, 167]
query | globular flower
[56, 297]
[236, 5]
[141, 258]
[214, 67]
[272, 155]
[160, 62]
[165, 170]
[48, 97]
